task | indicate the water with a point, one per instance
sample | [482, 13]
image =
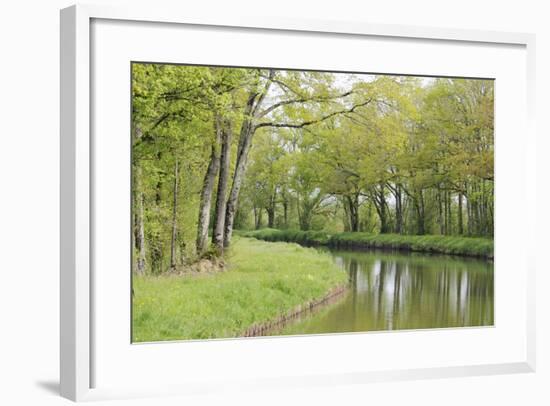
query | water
[393, 291]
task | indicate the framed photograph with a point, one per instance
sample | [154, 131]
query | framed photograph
[267, 203]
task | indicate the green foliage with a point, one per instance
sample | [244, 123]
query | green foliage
[330, 153]
[414, 157]
[467, 246]
[262, 282]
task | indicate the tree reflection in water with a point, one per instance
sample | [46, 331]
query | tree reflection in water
[391, 291]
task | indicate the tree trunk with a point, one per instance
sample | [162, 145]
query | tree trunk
[475, 209]
[353, 211]
[356, 212]
[270, 216]
[445, 213]
[139, 235]
[345, 205]
[257, 217]
[440, 212]
[419, 206]
[469, 214]
[157, 254]
[206, 196]
[395, 189]
[158, 186]
[173, 258]
[484, 228]
[218, 232]
[459, 218]
[449, 216]
[384, 228]
[253, 106]
[245, 138]
[285, 210]
[398, 210]
[379, 201]
[139, 229]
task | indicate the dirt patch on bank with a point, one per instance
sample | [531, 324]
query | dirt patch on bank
[204, 266]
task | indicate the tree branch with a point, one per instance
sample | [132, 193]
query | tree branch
[303, 100]
[311, 122]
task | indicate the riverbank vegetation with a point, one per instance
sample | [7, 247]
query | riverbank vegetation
[454, 245]
[262, 281]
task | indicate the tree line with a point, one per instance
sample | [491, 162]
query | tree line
[215, 149]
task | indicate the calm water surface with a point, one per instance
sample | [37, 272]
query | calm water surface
[391, 291]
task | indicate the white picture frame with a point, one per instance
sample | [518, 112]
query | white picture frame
[76, 278]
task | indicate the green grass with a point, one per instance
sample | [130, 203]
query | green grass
[263, 281]
[468, 246]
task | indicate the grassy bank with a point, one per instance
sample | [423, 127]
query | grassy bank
[263, 281]
[467, 246]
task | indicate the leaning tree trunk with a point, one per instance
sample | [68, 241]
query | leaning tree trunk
[245, 138]
[173, 258]
[206, 196]
[218, 232]
[251, 112]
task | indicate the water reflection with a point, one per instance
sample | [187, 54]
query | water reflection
[390, 291]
